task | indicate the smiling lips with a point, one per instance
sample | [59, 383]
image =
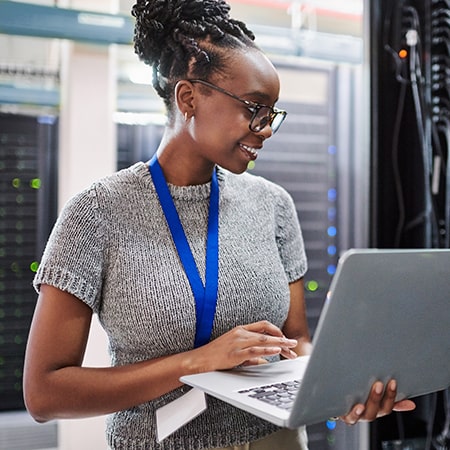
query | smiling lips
[251, 152]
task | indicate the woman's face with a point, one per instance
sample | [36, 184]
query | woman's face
[220, 125]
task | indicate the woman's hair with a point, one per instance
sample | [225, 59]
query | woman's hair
[185, 39]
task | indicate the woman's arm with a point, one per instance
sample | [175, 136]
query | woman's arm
[296, 325]
[57, 386]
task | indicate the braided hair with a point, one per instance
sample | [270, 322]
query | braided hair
[182, 39]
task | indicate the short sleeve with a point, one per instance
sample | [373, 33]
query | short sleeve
[74, 257]
[289, 238]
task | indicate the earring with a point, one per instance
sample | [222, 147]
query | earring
[185, 116]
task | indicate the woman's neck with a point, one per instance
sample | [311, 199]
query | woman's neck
[182, 168]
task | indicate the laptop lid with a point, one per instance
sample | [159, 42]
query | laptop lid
[387, 316]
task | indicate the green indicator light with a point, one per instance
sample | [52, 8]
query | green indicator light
[312, 286]
[35, 183]
[18, 340]
[16, 182]
[34, 266]
[251, 165]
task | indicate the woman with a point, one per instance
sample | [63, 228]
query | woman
[191, 264]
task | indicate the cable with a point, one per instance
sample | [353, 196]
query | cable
[412, 39]
[430, 423]
[443, 440]
[395, 166]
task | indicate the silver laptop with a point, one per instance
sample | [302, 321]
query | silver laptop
[387, 315]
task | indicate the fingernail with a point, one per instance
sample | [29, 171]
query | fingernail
[393, 385]
[378, 388]
[359, 410]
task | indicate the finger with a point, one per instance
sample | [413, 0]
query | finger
[264, 327]
[374, 401]
[404, 405]
[265, 340]
[288, 353]
[354, 415]
[255, 352]
[255, 362]
[388, 401]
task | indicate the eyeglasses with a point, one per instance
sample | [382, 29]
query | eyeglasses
[262, 115]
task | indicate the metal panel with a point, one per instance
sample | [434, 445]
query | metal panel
[45, 21]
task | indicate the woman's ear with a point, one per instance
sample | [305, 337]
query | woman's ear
[184, 98]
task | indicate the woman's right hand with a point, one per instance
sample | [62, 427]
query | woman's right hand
[244, 345]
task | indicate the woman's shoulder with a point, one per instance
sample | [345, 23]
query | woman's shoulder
[129, 177]
[117, 191]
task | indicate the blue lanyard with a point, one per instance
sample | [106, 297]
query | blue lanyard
[205, 296]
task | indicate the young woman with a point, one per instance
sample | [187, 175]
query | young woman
[191, 264]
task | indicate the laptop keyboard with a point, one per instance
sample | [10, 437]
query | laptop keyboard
[277, 394]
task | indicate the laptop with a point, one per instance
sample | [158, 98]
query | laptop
[387, 315]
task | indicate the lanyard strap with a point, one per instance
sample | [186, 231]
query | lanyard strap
[205, 296]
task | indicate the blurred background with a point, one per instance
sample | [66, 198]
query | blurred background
[363, 152]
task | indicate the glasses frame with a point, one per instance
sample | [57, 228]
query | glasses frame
[253, 107]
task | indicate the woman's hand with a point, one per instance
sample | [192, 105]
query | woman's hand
[380, 402]
[244, 345]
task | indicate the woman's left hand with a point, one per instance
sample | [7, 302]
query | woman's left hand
[380, 402]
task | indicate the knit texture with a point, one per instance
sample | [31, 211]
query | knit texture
[112, 249]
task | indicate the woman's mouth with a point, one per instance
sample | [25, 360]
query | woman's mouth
[251, 152]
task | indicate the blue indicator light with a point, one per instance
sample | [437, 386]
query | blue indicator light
[332, 195]
[331, 250]
[332, 231]
[332, 150]
[331, 269]
[331, 424]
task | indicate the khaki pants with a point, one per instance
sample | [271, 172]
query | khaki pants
[284, 439]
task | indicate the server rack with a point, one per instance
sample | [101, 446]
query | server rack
[410, 177]
[27, 211]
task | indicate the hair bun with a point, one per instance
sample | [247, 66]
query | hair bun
[160, 22]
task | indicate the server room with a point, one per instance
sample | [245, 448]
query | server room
[361, 160]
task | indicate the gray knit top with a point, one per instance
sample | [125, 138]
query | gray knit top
[112, 249]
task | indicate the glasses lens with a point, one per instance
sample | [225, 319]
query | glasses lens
[277, 120]
[261, 118]
[264, 116]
